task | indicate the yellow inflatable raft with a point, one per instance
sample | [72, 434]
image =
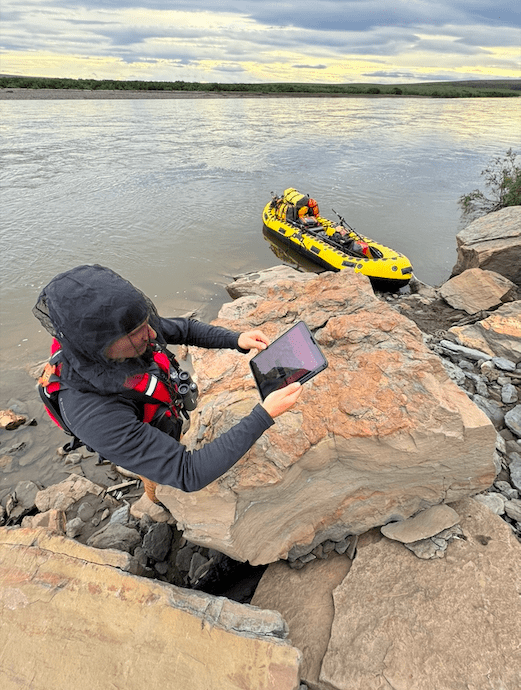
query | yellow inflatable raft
[295, 220]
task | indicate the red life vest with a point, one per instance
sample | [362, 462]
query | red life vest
[150, 386]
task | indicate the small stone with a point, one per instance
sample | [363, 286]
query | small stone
[86, 511]
[74, 527]
[197, 561]
[501, 445]
[513, 420]
[162, 567]
[318, 551]
[515, 470]
[495, 502]
[481, 388]
[507, 491]
[61, 496]
[498, 464]
[73, 458]
[115, 536]
[157, 541]
[140, 556]
[426, 549]
[342, 546]
[183, 558]
[468, 352]
[454, 371]
[26, 493]
[53, 520]
[504, 364]
[328, 546]
[10, 420]
[509, 394]
[493, 411]
[121, 515]
[513, 509]
[440, 543]
[145, 522]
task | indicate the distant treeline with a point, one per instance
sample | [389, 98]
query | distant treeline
[468, 89]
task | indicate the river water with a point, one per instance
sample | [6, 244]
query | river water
[169, 193]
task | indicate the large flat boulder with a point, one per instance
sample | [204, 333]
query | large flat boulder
[72, 617]
[379, 435]
[476, 290]
[497, 335]
[492, 242]
[453, 622]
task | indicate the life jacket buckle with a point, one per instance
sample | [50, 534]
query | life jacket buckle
[48, 371]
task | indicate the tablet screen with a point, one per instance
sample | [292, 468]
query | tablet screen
[294, 356]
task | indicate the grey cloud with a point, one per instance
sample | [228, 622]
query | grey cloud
[330, 29]
[407, 77]
[229, 68]
[343, 15]
[452, 47]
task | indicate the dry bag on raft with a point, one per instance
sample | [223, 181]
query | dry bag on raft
[291, 203]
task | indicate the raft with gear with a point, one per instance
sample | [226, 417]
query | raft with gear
[295, 220]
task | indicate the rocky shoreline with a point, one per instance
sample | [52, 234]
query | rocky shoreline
[472, 323]
[120, 517]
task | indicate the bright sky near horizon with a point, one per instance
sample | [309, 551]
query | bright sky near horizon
[252, 41]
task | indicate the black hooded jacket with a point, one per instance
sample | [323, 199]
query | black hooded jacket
[87, 309]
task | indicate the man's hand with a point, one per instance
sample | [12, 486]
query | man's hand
[253, 339]
[281, 400]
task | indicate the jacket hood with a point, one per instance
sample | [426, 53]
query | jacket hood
[86, 309]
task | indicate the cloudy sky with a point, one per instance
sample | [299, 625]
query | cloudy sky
[262, 41]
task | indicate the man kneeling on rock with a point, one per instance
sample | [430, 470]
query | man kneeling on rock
[119, 389]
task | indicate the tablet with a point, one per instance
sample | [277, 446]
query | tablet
[294, 356]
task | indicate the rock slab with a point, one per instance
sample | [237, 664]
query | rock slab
[71, 618]
[492, 242]
[426, 524]
[476, 290]
[447, 623]
[304, 599]
[499, 334]
[379, 435]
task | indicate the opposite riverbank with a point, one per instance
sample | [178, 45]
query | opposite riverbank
[20, 94]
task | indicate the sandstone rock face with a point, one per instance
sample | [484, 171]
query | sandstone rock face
[499, 334]
[379, 435]
[476, 290]
[492, 242]
[304, 598]
[448, 623]
[72, 618]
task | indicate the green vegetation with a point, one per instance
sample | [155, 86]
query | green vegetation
[503, 180]
[469, 89]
